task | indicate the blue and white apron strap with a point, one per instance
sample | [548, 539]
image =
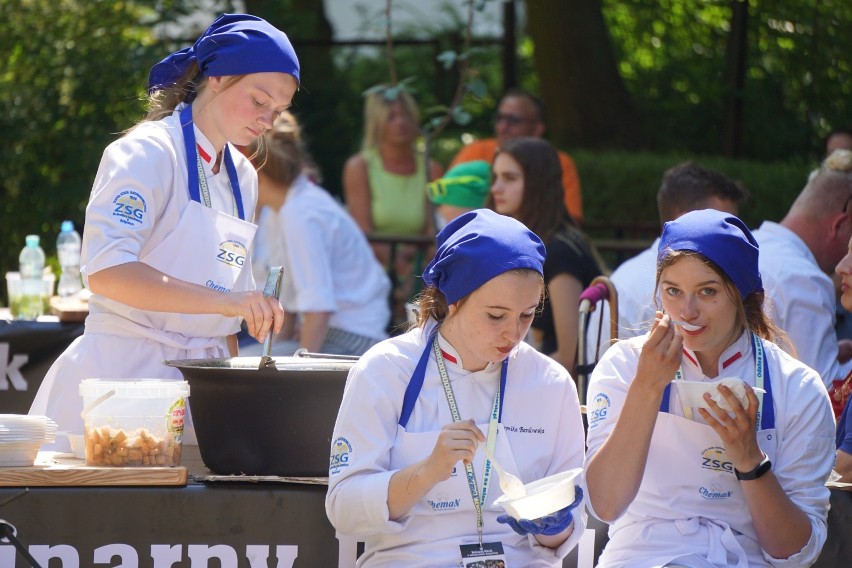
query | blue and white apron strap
[197, 180]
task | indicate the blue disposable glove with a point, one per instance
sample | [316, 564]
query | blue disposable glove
[551, 524]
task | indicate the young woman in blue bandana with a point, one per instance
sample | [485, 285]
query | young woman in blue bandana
[408, 471]
[740, 482]
[170, 218]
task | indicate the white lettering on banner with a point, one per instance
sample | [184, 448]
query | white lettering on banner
[129, 558]
[163, 555]
[11, 369]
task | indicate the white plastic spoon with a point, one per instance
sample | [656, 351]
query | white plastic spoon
[512, 486]
[686, 326]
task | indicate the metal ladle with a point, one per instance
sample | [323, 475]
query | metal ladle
[272, 289]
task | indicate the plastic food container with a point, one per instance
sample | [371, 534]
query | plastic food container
[543, 497]
[133, 422]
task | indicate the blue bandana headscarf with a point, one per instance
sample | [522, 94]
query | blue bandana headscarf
[235, 44]
[722, 238]
[477, 246]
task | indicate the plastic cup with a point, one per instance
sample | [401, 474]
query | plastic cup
[26, 304]
[13, 292]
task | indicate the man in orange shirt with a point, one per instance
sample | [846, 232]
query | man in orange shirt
[522, 114]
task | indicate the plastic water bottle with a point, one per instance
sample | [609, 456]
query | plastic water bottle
[31, 261]
[68, 250]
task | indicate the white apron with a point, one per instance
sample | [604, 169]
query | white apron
[446, 515]
[207, 247]
[689, 500]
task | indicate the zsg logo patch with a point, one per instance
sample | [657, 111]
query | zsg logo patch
[714, 458]
[341, 449]
[129, 208]
[597, 411]
[232, 253]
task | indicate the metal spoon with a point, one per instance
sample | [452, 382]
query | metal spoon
[512, 486]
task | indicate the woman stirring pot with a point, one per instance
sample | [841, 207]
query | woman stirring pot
[169, 220]
[693, 487]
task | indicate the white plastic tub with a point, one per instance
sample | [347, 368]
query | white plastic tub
[133, 422]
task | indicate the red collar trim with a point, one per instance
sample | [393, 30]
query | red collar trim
[688, 356]
[731, 359]
[449, 357]
[204, 155]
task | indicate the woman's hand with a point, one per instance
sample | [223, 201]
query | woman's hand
[660, 356]
[456, 442]
[261, 313]
[738, 433]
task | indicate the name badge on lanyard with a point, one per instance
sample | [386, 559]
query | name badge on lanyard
[483, 555]
[476, 555]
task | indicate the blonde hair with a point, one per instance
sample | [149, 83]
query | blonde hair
[281, 154]
[163, 102]
[377, 110]
[828, 187]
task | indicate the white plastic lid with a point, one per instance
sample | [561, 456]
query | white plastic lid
[138, 388]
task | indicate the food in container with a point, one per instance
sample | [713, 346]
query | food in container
[133, 422]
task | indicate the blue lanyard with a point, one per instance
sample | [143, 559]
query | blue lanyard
[765, 412]
[197, 179]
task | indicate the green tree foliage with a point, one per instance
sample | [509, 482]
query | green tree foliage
[798, 79]
[72, 78]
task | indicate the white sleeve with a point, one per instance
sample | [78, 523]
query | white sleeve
[804, 307]
[569, 453]
[606, 395]
[805, 452]
[356, 502]
[308, 245]
[129, 193]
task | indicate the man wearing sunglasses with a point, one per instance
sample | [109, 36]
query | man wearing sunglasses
[521, 113]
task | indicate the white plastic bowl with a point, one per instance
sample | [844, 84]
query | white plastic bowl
[692, 392]
[543, 497]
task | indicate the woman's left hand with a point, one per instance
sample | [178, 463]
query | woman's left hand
[738, 432]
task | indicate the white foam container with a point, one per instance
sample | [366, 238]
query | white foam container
[543, 497]
[691, 393]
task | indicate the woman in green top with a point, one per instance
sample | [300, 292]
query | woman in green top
[385, 183]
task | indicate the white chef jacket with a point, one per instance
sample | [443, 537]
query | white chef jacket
[800, 297]
[328, 263]
[541, 434]
[801, 451]
[634, 281]
[150, 161]
[144, 170]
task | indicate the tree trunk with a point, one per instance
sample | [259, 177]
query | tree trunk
[587, 102]
[735, 70]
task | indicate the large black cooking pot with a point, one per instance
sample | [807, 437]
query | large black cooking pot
[275, 419]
